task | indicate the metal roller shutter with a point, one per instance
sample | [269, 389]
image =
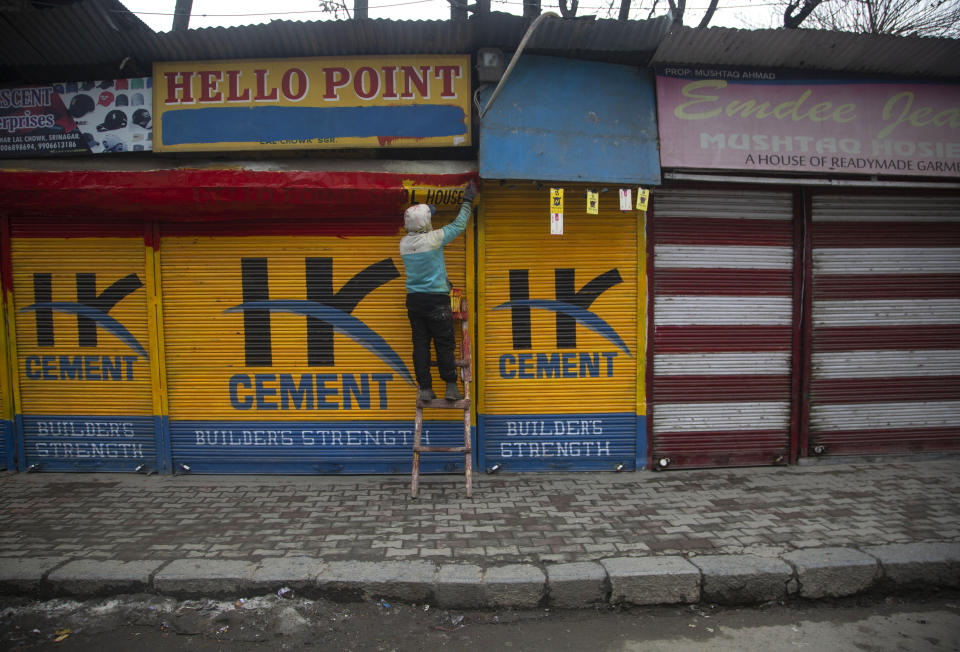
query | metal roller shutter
[885, 354]
[723, 327]
[288, 349]
[560, 334]
[83, 347]
[6, 393]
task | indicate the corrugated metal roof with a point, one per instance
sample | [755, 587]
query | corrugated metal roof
[637, 39]
[78, 42]
[805, 49]
[91, 38]
[90, 34]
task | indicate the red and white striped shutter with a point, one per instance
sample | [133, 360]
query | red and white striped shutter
[885, 355]
[723, 336]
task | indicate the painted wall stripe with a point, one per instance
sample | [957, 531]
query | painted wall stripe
[887, 260]
[723, 204]
[866, 416]
[888, 388]
[747, 416]
[889, 440]
[891, 312]
[874, 364]
[715, 445]
[733, 311]
[716, 339]
[706, 231]
[714, 388]
[885, 286]
[886, 234]
[860, 338]
[765, 363]
[693, 256]
[733, 282]
[880, 208]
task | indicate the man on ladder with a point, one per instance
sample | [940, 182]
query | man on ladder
[431, 318]
[428, 292]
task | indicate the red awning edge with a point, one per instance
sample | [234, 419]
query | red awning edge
[220, 194]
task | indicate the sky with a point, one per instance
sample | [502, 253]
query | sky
[158, 14]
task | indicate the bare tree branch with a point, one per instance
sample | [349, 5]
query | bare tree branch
[676, 10]
[572, 11]
[653, 9]
[458, 10]
[792, 18]
[708, 16]
[939, 18]
[181, 15]
[338, 8]
[624, 10]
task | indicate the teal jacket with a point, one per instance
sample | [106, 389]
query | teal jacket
[422, 248]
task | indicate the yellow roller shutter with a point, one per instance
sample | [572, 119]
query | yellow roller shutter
[7, 447]
[289, 351]
[562, 332]
[83, 349]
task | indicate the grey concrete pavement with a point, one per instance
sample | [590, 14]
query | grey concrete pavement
[722, 535]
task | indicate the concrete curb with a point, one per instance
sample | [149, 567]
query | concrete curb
[744, 579]
[723, 579]
[833, 572]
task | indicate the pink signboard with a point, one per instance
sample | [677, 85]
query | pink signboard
[735, 119]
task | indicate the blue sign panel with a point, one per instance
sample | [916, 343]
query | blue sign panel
[564, 442]
[568, 120]
[6, 444]
[310, 447]
[89, 443]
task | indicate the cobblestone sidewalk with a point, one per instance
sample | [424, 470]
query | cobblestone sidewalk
[520, 518]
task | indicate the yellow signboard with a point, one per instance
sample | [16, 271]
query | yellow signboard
[316, 103]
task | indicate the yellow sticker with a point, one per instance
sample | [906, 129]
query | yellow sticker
[556, 200]
[556, 211]
[593, 202]
[643, 196]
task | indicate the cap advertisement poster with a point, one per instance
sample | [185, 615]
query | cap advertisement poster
[91, 117]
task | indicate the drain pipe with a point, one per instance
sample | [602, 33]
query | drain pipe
[516, 55]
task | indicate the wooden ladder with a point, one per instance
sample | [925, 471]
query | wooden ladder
[458, 305]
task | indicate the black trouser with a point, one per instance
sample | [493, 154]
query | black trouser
[431, 318]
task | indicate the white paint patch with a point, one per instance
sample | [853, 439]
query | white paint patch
[882, 364]
[886, 312]
[871, 416]
[767, 363]
[881, 208]
[733, 257]
[687, 310]
[704, 417]
[725, 204]
[887, 260]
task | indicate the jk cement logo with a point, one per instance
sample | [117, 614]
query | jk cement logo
[326, 312]
[92, 312]
[571, 308]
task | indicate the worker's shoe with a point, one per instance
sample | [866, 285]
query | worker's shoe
[453, 392]
[426, 395]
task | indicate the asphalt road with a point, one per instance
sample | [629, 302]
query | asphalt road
[147, 623]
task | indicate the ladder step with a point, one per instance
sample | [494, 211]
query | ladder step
[442, 449]
[444, 404]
